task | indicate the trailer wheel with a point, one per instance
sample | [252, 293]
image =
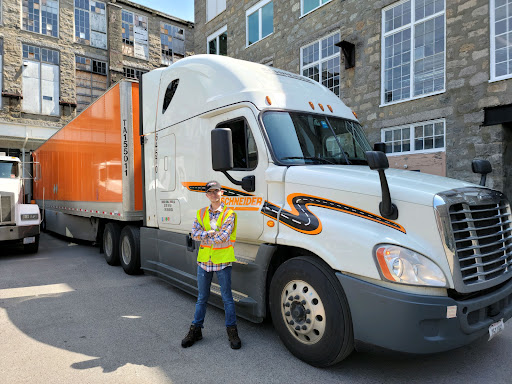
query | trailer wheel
[32, 247]
[111, 235]
[310, 312]
[129, 250]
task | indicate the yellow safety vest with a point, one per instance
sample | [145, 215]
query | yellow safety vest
[218, 253]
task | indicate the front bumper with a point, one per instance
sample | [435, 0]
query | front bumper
[411, 323]
[18, 232]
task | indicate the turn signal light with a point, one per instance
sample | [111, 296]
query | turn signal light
[268, 100]
[321, 106]
[312, 105]
[355, 114]
[270, 223]
[330, 108]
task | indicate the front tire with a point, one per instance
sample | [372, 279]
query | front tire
[129, 250]
[111, 235]
[310, 312]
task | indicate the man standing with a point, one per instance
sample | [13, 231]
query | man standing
[215, 228]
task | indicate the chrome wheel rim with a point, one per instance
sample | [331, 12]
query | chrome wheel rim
[303, 312]
[108, 244]
[126, 251]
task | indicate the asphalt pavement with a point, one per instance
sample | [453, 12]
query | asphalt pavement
[68, 317]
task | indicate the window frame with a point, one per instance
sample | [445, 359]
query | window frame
[77, 39]
[40, 19]
[492, 36]
[247, 126]
[1, 66]
[412, 137]
[215, 36]
[134, 42]
[165, 59]
[410, 26]
[257, 8]
[142, 71]
[321, 60]
[92, 72]
[40, 61]
[302, 14]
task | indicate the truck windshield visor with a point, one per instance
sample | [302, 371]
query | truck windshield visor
[300, 138]
[9, 170]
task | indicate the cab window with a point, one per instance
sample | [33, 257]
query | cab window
[245, 155]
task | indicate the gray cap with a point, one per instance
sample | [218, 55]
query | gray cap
[212, 185]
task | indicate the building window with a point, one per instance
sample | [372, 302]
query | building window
[1, 66]
[132, 73]
[40, 85]
[320, 61]
[91, 81]
[427, 136]
[214, 7]
[217, 42]
[41, 16]
[135, 35]
[307, 6]
[172, 40]
[91, 23]
[501, 39]
[413, 44]
[259, 21]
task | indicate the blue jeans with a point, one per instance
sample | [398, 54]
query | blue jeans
[204, 280]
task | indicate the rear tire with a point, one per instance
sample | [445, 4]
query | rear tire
[310, 312]
[32, 247]
[111, 235]
[129, 250]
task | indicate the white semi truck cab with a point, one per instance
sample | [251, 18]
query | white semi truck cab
[19, 223]
[340, 250]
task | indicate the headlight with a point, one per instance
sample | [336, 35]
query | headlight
[29, 216]
[401, 265]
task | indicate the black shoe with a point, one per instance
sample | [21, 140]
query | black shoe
[194, 334]
[233, 337]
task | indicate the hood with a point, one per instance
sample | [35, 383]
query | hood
[407, 186]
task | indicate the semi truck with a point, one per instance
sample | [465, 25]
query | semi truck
[19, 222]
[340, 251]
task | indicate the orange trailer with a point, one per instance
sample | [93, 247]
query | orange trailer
[88, 174]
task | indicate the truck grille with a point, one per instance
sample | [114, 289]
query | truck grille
[476, 226]
[6, 208]
[483, 239]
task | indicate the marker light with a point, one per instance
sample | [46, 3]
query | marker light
[270, 223]
[268, 100]
[404, 266]
[312, 105]
[355, 114]
[330, 108]
[321, 106]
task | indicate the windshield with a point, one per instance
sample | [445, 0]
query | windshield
[9, 169]
[299, 138]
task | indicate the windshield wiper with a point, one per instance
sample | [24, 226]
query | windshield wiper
[325, 161]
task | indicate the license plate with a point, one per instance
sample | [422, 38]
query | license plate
[29, 240]
[496, 328]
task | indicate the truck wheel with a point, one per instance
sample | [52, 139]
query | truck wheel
[111, 235]
[129, 250]
[33, 247]
[310, 312]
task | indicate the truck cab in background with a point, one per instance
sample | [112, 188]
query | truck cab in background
[19, 223]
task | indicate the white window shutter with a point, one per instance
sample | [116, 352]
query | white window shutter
[50, 89]
[31, 102]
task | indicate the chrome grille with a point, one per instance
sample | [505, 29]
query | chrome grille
[483, 240]
[6, 208]
[476, 228]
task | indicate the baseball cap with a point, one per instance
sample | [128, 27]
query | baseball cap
[212, 185]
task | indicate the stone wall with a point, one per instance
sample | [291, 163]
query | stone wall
[467, 90]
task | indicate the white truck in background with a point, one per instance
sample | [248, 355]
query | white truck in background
[19, 223]
[339, 255]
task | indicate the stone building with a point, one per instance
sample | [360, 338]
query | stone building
[57, 56]
[430, 78]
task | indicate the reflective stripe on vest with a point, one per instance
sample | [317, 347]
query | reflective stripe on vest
[221, 252]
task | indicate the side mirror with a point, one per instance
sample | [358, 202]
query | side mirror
[222, 149]
[377, 160]
[482, 167]
[381, 147]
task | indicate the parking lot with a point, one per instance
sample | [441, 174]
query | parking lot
[66, 316]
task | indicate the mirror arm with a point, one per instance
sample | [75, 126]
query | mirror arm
[236, 182]
[386, 207]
